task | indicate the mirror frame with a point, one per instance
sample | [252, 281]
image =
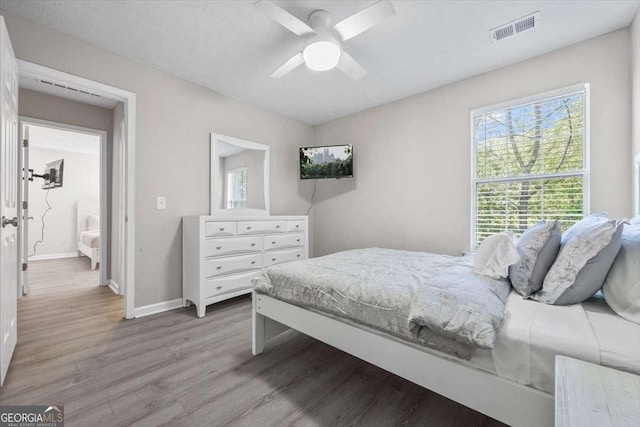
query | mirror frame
[216, 195]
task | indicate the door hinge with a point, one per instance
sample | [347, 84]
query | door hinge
[25, 143]
[25, 205]
[24, 266]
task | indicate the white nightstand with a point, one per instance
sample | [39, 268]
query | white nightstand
[592, 395]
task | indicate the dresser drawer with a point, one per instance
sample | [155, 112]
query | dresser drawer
[261, 227]
[295, 225]
[220, 266]
[231, 245]
[283, 241]
[219, 229]
[276, 257]
[224, 285]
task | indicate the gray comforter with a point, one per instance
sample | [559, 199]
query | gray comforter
[434, 300]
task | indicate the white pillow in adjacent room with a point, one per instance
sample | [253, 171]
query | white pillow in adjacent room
[622, 286]
[495, 254]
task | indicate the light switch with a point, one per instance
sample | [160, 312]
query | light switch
[161, 203]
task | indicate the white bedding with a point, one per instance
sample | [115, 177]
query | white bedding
[90, 238]
[434, 300]
[534, 333]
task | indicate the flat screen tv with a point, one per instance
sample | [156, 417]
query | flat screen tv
[53, 173]
[330, 161]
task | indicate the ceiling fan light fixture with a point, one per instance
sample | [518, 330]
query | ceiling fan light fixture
[321, 55]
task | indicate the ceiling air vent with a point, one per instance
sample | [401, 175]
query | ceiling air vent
[518, 26]
[73, 89]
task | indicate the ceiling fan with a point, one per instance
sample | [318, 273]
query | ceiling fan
[323, 47]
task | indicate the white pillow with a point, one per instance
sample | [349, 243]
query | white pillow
[93, 223]
[495, 255]
[622, 286]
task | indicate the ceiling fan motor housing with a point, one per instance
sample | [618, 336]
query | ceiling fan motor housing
[322, 50]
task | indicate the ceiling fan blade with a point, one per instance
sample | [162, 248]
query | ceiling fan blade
[350, 67]
[284, 18]
[294, 62]
[361, 21]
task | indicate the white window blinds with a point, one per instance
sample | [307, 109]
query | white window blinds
[530, 164]
[237, 188]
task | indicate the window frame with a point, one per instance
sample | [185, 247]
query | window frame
[584, 173]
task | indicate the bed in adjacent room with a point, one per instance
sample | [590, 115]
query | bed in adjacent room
[88, 231]
[430, 319]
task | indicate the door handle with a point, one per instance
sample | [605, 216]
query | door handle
[6, 221]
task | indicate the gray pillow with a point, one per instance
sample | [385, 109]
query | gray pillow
[587, 252]
[538, 247]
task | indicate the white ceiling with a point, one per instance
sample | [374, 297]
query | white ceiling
[230, 46]
[74, 94]
[63, 140]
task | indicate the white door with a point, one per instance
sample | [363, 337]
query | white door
[9, 260]
[23, 285]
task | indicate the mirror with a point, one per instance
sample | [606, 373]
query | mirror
[239, 176]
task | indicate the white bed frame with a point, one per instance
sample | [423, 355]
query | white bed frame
[499, 398]
[85, 209]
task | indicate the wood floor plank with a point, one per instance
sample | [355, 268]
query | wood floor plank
[174, 369]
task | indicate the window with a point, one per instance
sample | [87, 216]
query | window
[530, 162]
[237, 188]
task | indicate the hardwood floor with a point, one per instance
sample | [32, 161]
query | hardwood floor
[54, 275]
[74, 349]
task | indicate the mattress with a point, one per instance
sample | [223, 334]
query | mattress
[527, 342]
[533, 333]
[90, 238]
[429, 299]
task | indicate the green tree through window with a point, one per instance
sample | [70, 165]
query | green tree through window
[529, 164]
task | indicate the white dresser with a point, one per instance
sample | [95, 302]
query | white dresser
[221, 255]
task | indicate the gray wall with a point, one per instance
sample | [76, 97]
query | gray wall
[173, 120]
[412, 185]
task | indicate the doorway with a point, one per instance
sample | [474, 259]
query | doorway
[65, 214]
[122, 179]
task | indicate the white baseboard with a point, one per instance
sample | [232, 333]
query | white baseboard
[53, 256]
[157, 308]
[114, 287]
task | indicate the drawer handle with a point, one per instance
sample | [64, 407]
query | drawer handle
[277, 226]
[253, 244]
[249, 228]
[218, 287]
[298, 255]
[222, 229]
[253, 262]
[219, 267]
[273, 243]
[298, 240]
[218, 247]
[297, 226]
[273, 259]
